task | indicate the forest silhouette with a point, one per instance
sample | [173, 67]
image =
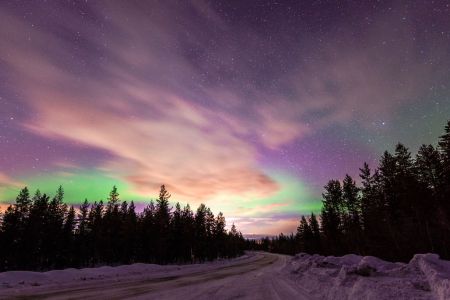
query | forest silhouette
[400, 208]
[39, 233]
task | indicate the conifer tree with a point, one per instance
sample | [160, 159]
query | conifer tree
[162, 222]
[82, 235]
[304, 235]
[220, 235]
[113, 199]
[200, 233]
[23, 202]
[54, 239]
[316, 246]
[83, 218]
[130, 238]
[444, 145]
[148, 233]
[444, 149]
[67, 247]
[429, 168]
[352, 214]
[176, 244]
[187, 216]
[10, 238]
[332, 215]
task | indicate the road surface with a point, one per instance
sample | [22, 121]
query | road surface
[257, 277]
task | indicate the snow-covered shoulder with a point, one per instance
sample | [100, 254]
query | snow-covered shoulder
[367, 277]
[19, 280]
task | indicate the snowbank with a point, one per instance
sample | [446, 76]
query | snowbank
[19, 280]
[357, 277]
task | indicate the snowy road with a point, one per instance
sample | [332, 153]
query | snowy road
[258, 276]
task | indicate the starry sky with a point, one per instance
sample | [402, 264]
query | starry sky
[247, 106]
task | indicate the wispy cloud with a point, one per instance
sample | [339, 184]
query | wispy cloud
[265, 225]
[6, 182]
[156, 136]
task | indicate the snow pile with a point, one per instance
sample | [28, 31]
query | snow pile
[25, 278]
[357, 277]
[17, 280]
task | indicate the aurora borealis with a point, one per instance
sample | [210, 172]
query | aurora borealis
[247, 106]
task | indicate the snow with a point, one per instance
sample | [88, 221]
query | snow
[15, 279]
[256, 275]
[19, 280]
[366, 277]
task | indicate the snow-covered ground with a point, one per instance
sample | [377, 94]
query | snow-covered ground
[253, 276]
[24, 280]
[357, 277]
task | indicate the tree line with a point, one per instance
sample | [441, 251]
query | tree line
[400, 208]
[40, 233]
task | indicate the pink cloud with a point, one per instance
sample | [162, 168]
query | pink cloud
[6, 182]
[269, 226]
[155, 136]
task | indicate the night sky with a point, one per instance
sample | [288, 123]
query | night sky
[247, 106]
